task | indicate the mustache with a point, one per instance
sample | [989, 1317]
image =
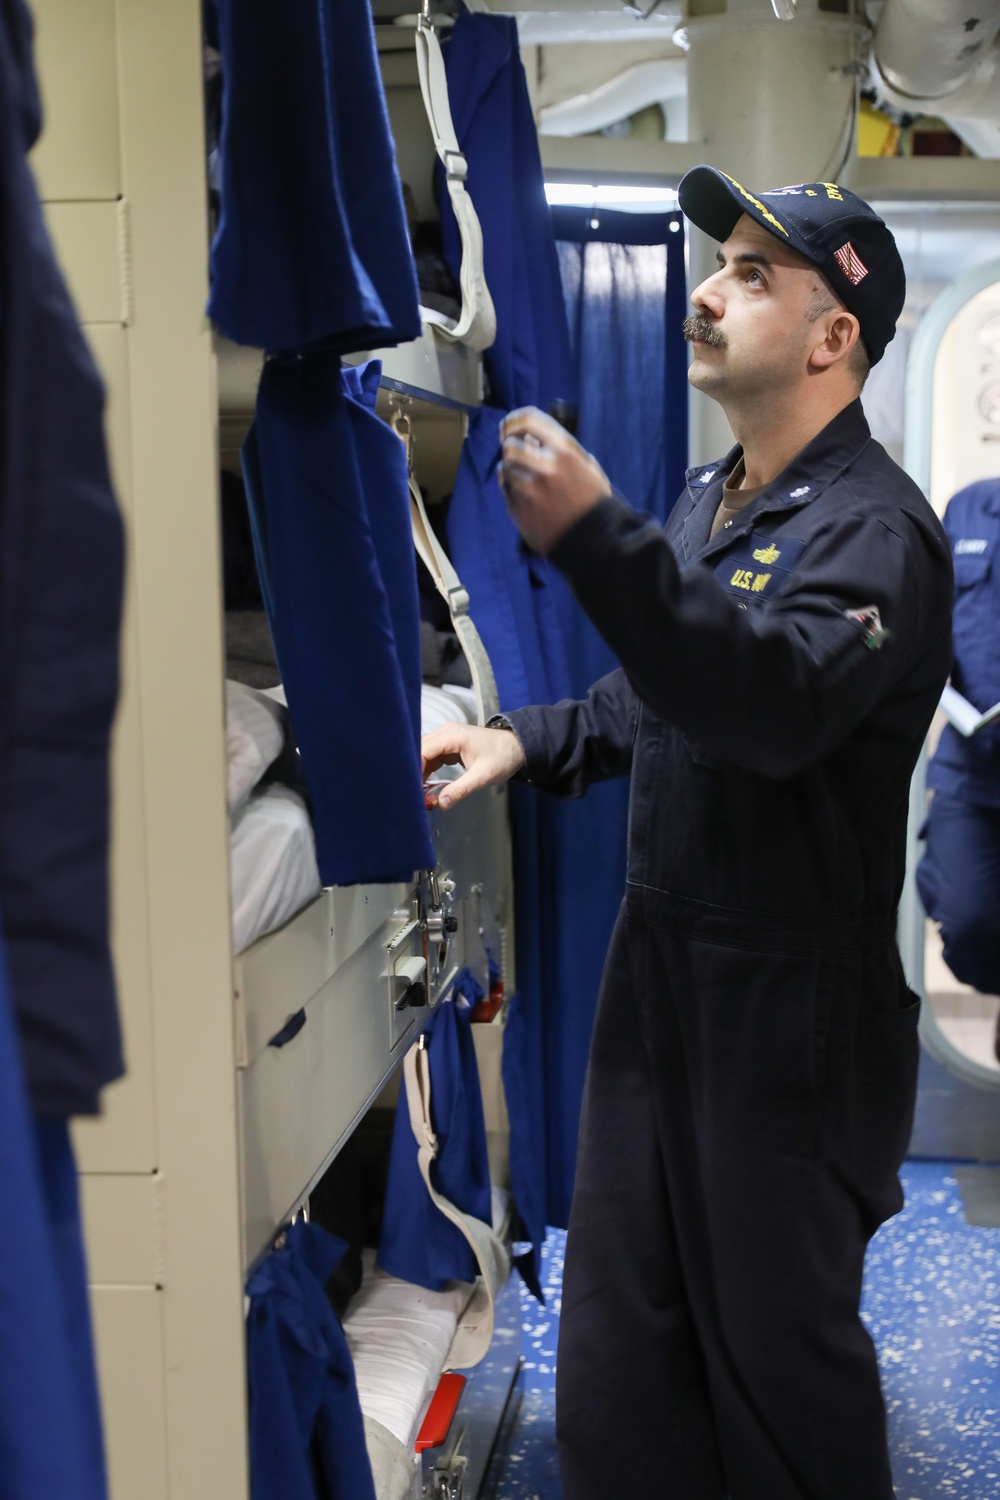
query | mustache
[703, 329]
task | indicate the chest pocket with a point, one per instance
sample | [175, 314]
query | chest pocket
[972, 568]
[758, 567]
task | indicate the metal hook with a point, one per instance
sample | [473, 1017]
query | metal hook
[402, 426]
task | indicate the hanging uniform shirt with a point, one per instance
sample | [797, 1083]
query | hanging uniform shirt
[529, 363]
[970, 768]
[417, 1242]
[61, 581]
[307, 1439]
[329, 499]
[312, 243]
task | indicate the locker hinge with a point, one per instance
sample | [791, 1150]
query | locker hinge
[239, 1018]
[125, 261]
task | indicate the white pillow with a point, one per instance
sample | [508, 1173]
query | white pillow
[445, 705]
[255, 737]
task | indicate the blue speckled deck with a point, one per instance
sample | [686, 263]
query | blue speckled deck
[932, 1303]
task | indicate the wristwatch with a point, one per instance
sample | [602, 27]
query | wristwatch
[501, 721]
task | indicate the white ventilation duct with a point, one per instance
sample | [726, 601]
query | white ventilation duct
[940, 57]
[636, 88]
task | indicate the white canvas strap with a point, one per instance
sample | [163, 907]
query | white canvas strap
[477, 325]
[475, 1327]
[449, 586]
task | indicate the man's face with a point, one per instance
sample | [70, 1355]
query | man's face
[750, 332]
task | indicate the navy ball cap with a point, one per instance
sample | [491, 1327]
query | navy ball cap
[829, 225]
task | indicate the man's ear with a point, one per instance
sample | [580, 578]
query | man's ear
[838, 333]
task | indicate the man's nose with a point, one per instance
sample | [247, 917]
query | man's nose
[707, 298]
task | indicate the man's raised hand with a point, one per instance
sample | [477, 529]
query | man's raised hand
[549, 481]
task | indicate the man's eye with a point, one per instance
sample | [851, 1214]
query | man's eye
[754, 277]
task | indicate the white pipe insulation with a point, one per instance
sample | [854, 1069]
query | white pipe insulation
[633, 89]
[940, 57]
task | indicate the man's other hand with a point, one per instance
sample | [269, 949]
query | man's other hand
[548, 480]
[488, 756]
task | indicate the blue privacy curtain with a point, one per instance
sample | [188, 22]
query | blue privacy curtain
[417, 1242]
[329, 505]
[312, 260]
[307, 1438]
[50, 1426]
[621, 355]
[529, 364]
[311, 243]
[625, 297]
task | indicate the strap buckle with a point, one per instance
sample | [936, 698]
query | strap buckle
[456, 167]
[458, 600]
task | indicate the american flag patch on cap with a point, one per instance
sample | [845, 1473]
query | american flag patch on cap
[850, 263]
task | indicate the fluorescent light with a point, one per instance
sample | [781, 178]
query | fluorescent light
[611, 195]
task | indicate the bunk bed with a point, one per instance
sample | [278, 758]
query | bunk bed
[249, 1067]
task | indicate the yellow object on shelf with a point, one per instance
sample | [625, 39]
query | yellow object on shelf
[877, 134]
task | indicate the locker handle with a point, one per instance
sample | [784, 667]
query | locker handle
[291, 1029]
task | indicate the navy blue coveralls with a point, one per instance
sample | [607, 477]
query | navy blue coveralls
[959, 876]
[753, 1064]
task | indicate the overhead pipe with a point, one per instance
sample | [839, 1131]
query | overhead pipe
[635, 88]
[940, 57]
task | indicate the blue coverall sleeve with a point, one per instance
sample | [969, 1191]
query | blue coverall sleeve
[571, 744]
[771, 689]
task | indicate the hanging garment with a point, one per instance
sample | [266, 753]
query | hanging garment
[529, 363]
[61, 576]
[307, 1439]
[50, 1434]
[327, 485]
[418, 1243]
[312, 243]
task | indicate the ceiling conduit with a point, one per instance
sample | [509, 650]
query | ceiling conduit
[940, 57]
[641, 85]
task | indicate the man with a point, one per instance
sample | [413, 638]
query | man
[783, 642]
[959, 876]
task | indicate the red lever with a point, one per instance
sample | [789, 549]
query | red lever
[444, 1404]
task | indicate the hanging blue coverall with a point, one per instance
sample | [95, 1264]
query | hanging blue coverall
[753, 1067]
[959, 876]
[61, 579]
[61, 576]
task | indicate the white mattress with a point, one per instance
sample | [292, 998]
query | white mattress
[399, 1336]
[272, 863]
[273, 870]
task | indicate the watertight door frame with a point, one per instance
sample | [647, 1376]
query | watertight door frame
[917, 453]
